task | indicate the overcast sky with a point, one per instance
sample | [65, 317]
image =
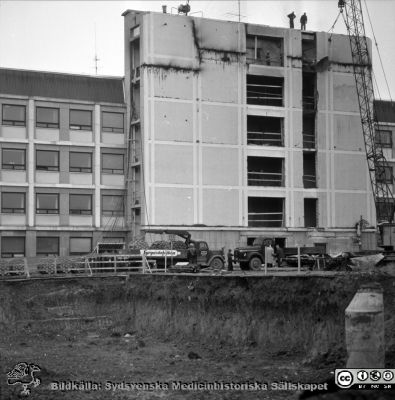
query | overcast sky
[60, 35]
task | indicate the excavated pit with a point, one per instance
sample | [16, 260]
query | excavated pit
[297, 319]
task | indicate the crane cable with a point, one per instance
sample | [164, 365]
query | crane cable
[333, 26]
[378, 51]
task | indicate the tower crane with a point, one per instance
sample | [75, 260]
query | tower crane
[362, 68]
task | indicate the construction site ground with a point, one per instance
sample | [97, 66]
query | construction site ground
[232, 328]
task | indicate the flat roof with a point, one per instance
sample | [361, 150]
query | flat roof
[61, 86]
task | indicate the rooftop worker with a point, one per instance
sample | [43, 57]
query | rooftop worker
[303, 22]
[291, 17]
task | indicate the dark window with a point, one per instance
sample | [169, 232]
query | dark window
[384, 209]
[112, 122]
[384, 138]
[12, 247]
[47, 203]
[81, 120]
[80, 245]
[13, 203]
[112, 205]
[310, 213]
[13, 159]
[266, 212]
[47, 246]
[309, 170]
[265, 90]
[47, 117]
[265, 171]
[14, 115]
[384, 174]
[80, 162]
[47, 160]
[264, 50]
[112, 164]
[264, 131]
[80, 204]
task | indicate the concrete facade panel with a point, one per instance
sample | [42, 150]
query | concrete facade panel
[220, 166]
[322, 209]
[219, 82]
[350, 172]
[80, 220]
[219, 124]
[322, 170]
[322, 139]
[170, 85]
[173, 36]
[113, 180]
[12, 219]
[173, 121]
[348, 133]
[81, 136]
[13, 132]
[220, 207]
[222, 35]
[47, 220]
[51, 135]
[47, 177]
[13, 176]
[349, 208]
[295, 100]
[173, 164]
[345, 97]
[81, 178]
[174, 206]
[112, 138]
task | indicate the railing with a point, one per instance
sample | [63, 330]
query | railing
[29, 267]
[266, 95]
[266, 60]
[267, 219]
[265, 178]
[309, 181]
[308, 141]
[265, 138]
[309, 102]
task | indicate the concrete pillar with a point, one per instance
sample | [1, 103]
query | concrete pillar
[365, 328]
[31, 168]
[97, 166]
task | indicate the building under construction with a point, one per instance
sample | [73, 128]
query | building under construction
[226, 129]
[241, 130]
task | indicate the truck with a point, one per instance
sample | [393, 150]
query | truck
[252, 257]
[206, 257]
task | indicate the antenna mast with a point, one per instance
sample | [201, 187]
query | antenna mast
[96, 59]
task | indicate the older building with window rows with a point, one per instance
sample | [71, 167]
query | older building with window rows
[62, 155]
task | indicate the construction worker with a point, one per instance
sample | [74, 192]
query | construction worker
[269, 256]
[291, 17]
[192, 254]
[303, 22]
[230, 260]
[279, 255]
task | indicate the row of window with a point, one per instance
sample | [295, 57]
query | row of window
[48, 203]
[47, 117]
[48, 160]
[45, 246]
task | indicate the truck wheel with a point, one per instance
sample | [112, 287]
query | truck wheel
[217, 264]
[255, 263]
[244, 266]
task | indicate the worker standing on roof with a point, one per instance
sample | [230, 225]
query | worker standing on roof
[303, 22]
[291, 17]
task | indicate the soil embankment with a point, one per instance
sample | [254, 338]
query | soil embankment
[255, 321]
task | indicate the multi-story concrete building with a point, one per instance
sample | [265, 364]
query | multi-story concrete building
[63, 154]
[241, 130]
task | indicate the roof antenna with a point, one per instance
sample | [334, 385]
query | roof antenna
[96, 59]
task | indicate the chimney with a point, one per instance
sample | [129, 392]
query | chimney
[164, 9]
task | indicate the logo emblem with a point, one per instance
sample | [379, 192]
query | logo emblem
[375, 375]
[388, 375]
[344, 379]
[362, 375]
[23, 374]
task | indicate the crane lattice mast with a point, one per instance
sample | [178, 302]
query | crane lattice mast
[362, 67]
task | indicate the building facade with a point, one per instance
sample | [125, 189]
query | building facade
[241, 130]
[62, 155]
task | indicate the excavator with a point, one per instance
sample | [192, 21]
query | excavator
[377, 163]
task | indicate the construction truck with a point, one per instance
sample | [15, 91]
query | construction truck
[170, 253]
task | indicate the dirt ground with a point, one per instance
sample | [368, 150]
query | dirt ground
[112, 357]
